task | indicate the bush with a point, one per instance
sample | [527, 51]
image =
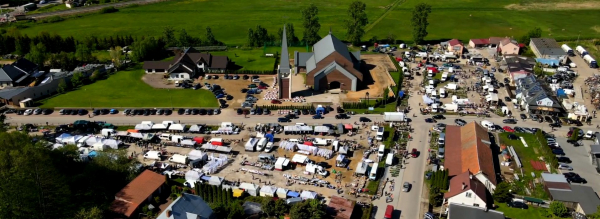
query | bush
[558, 209]
[108, 10]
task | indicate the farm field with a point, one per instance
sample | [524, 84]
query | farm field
[126, 89]
[229, 19]
[254, 59]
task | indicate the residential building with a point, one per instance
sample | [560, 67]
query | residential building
[479, 43]
[595, 153]
[19, 73]
[340, 208]
[138, 192]
[284, 75]
[508, 46]
[455, 46]
[535, 98]
[579, 198]
[467, 190]
[518, 66]
[469, 151]
[188, 206]
[458, 211]
[331, 65]
[188, 65]
[547, 48]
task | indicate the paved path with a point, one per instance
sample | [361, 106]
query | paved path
[86, 9]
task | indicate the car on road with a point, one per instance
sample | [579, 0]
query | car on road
[364, 119]
[510, 121]
[460, 122]
[513, 137]
[515, 204]
[570, 174]
[406, 187]
[564, 159]
[318, 116]
[342, 116]
[508, 129]
[558, 151]
[414, 153]
[563, 166]
[439, 116]
[577, 179]
[283, 120]
[507, 99]
[28, 112]
[429, 120]
[523, 116]
[440, 127]
[555, 125]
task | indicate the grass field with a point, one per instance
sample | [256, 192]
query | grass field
[126, 89]
[255, 59]
[517, 213]
[229, 19]
[49, 8]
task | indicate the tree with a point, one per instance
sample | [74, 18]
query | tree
[316, 209]
[595, 215]
[435, 198]
[386, 94]
[219, 209]
[558, 209]
[210, 38]
[91, 213]
[300, 211]
[311, 25]
[502, 193]
[419, 22]
[446, 181]
[169, 36]
[280, 207]
[37, 54]
[538, 70]
[62, 86]
[269, 207]
[77, 79]
[147, 49]
[236, 210]
[95, 76]
[533, 33]
[83, 53]
[117, 57]
[355, 25]
[290, 34]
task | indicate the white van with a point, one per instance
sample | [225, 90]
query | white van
[373, 173]
[165, 136]
[379, 136]
[381, 151]
[389, 160]
[445, 76]
[442, 139]
[153, 155]
[261, 144]
[487, 124]
[442, 93]
[269, 147]
[320, 142]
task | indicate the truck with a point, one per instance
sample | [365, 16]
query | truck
[108, 132]
[591, 61]
[567, 49]
[389, 160]
[320, 142]
[178, 158]
[251, 144]
[582, 52]
[388, 212]
[216, 141]
[153, 155]
[394, 117]
[379, 136]
[261, 144]
[442, 93]
[373, 173]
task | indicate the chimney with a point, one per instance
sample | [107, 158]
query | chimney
[464, 186]
[470, 176]
[169, 213]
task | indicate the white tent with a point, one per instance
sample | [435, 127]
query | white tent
[491, 97]
[215, 181]
[361, 168]
[194, 128]
[62, 137]
[57, 146]
[98, 146]
[268, 191]
[308, 194]
[192, 175]
[196, 154]
[427, 100]
[167, 123]
[176, 127]
[321, 129]
[250, 188]
[159, 126]
[143, 126]
[136, 135]
[72, 139]
[299, 158]
[93, 140]
[112, 143]
[188, 142]
[282, 193]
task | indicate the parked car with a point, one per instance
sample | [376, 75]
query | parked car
[28, 112]
[558, 152]
[240, 111]
[439, 116]
[564, 159]
[180, 111]
[364, 119]
[168, 112]
[342, 116]
[577, 179]
[275, 102]
[555, 125]
[318, 116]
[510, 121]
[507, 99]
[515, 204]
[283, 120]
[523, 116]
[508, 129]
[429, 120]
[563, 166]
[570, 174]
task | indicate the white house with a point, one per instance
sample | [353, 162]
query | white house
[188, 65]
[467, 190]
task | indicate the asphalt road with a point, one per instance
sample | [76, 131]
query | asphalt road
[581, 161]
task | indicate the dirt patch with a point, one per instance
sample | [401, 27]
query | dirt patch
[555, 6]
[378, 66]
[596, 28]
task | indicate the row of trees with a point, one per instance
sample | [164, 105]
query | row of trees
[439, 183]
[182, 39]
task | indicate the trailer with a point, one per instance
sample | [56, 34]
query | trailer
[251, 144]
[394, 117]
[582, 52]
[591, 61]
[281, 163]
[178, 158]
[567, 49]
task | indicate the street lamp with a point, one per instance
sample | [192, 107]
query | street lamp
[367, 94]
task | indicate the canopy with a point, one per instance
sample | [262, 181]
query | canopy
[237, 192]
[188, 142]
[199, 140]
[321, 129]
[340, 157]
[63, 136]
[132, 131]
[250, 188]
[293, 194]
[308, 195]
[282, 192]
[192, 175]
[57, 146]
[308, 143]
[215, 181]
[194, 128]
[136, 135]
[299, 158]
[176, 127]
[112, 143]
[427, 100]
[159, 126]
[93, 140]
[143, 126]
[72, 139]
[196, 154]
[268, 191]
[348, 126]
[122, 133]
[208, 147]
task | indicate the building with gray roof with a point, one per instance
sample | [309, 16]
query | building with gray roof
[535, 98]
[582, 199]
[18, 73]
[330, 66]
[547, 48]
[460, 211]
[284, 79]
[188, 206]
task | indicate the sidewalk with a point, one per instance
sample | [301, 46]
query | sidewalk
[380, 204]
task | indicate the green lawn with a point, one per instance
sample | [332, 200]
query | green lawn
[102, 55]
[49, 8]
[126, 89]
[255, 59]
[587, 44]
[525, 153]
[517, 213]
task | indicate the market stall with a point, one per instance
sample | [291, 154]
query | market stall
[282, 193]
[293, 194]
[177, 127]
[194, 128]
[308, 195]
[215, 181]
[250, 188]
[268, 191]
[299, 159]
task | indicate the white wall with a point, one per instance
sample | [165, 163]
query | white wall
[178, 76]
[488, 184]
[467, 198]
[4, 84]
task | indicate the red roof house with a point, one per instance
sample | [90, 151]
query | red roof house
[137, 192]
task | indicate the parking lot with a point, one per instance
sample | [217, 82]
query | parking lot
[581, 161]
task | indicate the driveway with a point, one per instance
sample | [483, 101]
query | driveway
[582, 164]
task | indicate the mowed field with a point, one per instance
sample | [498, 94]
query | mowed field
[126, 89]
[230, 19]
